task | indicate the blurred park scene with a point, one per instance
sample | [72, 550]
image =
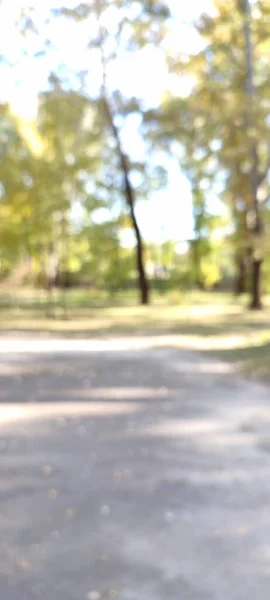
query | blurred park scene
[134, 162]
[134, 294]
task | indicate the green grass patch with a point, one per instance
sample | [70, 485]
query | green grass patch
[213, 323]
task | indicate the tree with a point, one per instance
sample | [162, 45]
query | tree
[257, 224]
[118, 34]
[230, 127]
[130, 199]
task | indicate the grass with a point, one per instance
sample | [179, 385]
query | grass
[215, 324]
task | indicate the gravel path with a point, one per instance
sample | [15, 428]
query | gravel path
[131, 471]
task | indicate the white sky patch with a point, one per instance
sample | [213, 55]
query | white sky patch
[101, 214]
[189, 9]
[183, 39]
[143, 74]
[166, 214]
[131, 138]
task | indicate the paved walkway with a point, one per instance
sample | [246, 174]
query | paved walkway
[131, 472]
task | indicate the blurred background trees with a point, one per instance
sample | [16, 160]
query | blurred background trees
[105, 109]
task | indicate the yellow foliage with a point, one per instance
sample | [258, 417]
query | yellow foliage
[210, 272]
[28, 130]
[74, 264]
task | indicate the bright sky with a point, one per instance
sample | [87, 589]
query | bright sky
[20, 85]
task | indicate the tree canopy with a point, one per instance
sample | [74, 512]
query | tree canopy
[98, 143]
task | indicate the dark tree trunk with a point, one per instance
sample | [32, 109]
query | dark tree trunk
[142, 279]
[256, 284]
[255, 303]
[240, 283]
[143, 285]
[130, 200]
[197, 265]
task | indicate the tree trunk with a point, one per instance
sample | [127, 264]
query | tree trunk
[245, 6]
[196, 263]
[129, 192]
[240, 283]
[143, 285]
[142, 279]
[255, 285]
